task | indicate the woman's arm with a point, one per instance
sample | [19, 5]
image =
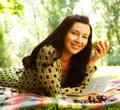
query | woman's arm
[88, 76]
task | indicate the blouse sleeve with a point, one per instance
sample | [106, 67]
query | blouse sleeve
[88, 76]
[50, 74]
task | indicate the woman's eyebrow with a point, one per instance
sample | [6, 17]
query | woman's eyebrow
[75, 30]
[86, 34]
[80, 32]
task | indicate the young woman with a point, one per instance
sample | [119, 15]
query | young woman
[62, 64]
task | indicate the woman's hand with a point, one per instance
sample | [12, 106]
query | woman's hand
[99, 52]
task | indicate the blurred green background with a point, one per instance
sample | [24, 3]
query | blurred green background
[25, 23]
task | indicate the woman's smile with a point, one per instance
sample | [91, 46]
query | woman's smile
[75, 46]
[76, 38]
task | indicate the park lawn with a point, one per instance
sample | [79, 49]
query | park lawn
[117, 107]
[113, 71]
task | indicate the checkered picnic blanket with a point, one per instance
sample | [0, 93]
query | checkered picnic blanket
[13, 99]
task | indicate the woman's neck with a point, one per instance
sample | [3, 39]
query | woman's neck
[65, 59]
[66, 56]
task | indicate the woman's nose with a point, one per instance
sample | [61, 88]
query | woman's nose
[79, 39]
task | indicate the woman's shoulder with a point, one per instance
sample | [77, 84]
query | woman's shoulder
[48, 51]
[47, 55]
[47, 48]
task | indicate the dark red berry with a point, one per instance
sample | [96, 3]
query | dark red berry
[103, 98]
[97, 99]
[90, 99]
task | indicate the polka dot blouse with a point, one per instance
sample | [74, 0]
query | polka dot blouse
[46, 80]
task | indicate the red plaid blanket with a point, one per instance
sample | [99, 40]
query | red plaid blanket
[13, 99]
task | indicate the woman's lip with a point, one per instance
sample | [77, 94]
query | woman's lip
[75, 46]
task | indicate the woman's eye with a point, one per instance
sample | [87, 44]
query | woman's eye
[74, 33]
[85, 37]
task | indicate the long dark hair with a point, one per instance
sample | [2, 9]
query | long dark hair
[79, 61]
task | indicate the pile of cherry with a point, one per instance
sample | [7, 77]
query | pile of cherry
[97, 99]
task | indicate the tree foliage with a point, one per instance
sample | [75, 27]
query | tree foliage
[109, 26]
[1, 45]
[38, 18]
[8, 9]
[111, 18]
[57, 10]
[11, 7]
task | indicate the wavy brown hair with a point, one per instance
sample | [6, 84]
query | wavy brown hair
[76, 73]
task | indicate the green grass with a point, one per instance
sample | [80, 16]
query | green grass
[116, 107]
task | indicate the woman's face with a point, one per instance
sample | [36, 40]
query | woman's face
[76, 38]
